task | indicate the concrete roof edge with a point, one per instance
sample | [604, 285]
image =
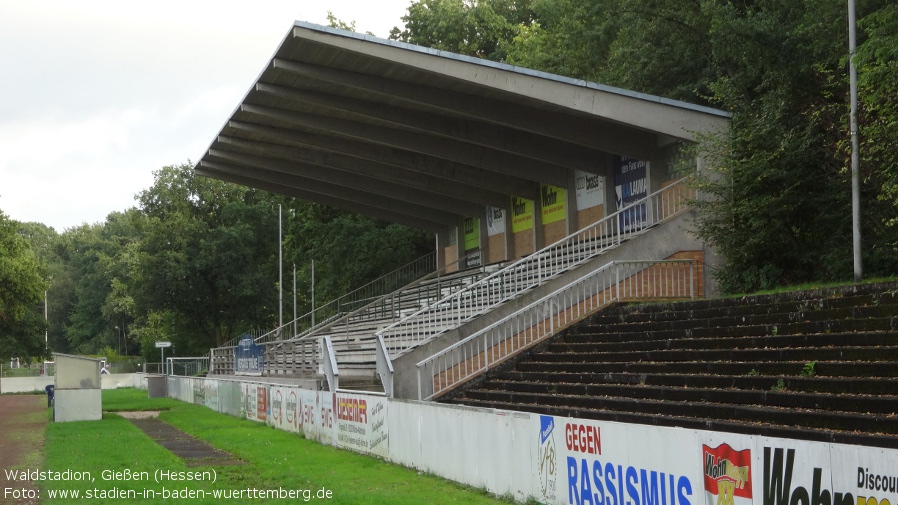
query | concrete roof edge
[515, 69]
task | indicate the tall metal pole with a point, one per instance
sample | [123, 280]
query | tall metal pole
[47, 319]
[294, 292]
[855, 146]
[280, 273]
[313, 293]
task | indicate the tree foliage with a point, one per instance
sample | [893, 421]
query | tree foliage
[780, 182]
[21, 295]
[470, 27]
[349, 250]
[207, 255]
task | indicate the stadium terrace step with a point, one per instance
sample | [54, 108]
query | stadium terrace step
[818, 365]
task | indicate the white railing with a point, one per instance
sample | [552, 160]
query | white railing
[464, 305]
[384, 367]
[329, 364]
[616, 281]
[331, 311]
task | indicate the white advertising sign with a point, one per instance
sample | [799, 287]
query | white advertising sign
[361, 423]
[495, 221]
[590, 190]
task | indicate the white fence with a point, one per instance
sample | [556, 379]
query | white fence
[561, 460]
[616, 281]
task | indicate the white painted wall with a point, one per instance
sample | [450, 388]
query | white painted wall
[78, 405]
[37, 384]
[567, 461]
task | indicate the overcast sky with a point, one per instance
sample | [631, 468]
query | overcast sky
[96, 95]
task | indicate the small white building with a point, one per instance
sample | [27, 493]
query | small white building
[78, 395]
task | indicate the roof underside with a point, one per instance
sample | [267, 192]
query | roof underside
[424, 138]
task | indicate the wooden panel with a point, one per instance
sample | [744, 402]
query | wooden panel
[553, 232]
[451, 258]
[523, 244]
[496, 248]
[589, 216]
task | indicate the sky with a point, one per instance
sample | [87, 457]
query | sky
[96, 95]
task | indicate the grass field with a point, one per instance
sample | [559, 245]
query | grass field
[273, 460]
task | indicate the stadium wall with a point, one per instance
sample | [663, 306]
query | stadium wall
[558, 460]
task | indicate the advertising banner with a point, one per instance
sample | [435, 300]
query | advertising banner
[472, 233]
[248, 357]
[617, 464]
[554, 203]
[630, 187]
[521, 214]
[590, 190]
[280, 408]
[727, 470]
[361, 423]
[308, 412]
[255, 401]
[495, 221]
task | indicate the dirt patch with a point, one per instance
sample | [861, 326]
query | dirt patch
[139, 414]
[23, 422]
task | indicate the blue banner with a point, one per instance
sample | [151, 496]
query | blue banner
[630, 187]
[249, 357]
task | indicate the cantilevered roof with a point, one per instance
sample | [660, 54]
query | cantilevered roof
[421, 137]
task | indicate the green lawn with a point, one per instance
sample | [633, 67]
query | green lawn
[273, 460]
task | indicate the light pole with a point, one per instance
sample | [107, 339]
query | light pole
[280, 274]
[855, 145]
[118, 331]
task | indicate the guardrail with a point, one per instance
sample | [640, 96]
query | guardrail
[616, 281]
[480, 297]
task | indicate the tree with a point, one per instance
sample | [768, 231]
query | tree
[349, 250]
[207, 257]
[471, 27]
[877, 63]
[566, 37]
[22, 288]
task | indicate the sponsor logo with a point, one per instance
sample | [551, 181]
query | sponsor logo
[778, 488]
[291, 408]
[547, 471]
[351, 409]
[727, 474]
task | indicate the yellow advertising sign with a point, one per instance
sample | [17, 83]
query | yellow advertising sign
[472, 233]
[554, 203]
[521, 214]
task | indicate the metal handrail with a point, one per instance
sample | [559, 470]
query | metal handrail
[533, 270]
[615, 281]
[389, 304]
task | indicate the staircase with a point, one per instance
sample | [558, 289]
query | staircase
[353, 337]
[818, 365]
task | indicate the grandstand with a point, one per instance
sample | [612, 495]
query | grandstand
[531, 182]
[521, 356]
